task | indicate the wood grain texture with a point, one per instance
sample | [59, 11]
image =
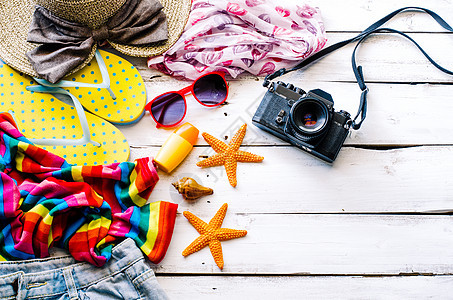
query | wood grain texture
[378, 55]
[397, 114]
[300, 287]
[418, 179]
[353, 15]
[361, 228]
[295, 244]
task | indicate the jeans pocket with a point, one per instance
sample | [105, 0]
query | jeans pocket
[117, 286]
[146, 283]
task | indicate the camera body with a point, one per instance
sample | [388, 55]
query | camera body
[306, 120]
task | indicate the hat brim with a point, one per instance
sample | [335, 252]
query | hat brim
[15, 19]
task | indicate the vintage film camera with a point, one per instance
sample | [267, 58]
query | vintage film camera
[306, 120]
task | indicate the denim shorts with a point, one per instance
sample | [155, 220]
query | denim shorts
[125, 276]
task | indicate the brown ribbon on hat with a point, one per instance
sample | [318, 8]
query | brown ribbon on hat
[65, 44]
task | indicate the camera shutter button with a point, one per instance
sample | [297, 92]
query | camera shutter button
[300, 91]
[279, 118]
[345, 113]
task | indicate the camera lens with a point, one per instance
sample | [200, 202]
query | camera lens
[309, 116]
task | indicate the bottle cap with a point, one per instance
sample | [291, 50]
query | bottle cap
[176, 147]
[188, 132]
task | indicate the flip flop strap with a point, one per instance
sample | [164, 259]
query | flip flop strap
[86, 137]
[105, 84]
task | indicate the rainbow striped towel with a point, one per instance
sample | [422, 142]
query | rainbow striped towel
[45, 202]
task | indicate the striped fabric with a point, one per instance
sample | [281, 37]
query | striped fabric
[45, 202]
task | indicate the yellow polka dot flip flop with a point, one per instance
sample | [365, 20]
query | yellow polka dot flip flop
[109, 87]
[68, 131]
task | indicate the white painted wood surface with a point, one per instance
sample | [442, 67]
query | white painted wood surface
[319, 244]
[311, 287]
[373, 225]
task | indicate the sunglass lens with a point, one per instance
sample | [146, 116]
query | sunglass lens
[168, 109]
[210, 90]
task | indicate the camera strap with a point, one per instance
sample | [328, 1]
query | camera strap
[358, 72]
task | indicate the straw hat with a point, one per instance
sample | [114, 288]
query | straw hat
[16, 16]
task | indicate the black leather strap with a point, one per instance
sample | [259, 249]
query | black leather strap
[358, 72]
[374, 28]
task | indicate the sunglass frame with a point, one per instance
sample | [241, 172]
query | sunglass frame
[183, 92]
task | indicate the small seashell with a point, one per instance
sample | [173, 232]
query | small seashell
[190, 189]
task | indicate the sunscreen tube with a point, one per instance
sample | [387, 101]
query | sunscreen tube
[176, 147]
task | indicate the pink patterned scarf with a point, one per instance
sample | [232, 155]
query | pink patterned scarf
[258, 36]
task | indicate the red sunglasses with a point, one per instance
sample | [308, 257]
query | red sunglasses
[170, 108]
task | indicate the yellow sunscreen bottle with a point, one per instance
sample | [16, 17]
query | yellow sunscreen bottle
[176, 147]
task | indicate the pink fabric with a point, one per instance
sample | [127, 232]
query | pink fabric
[258, 36]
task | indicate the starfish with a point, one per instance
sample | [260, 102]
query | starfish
[211, 234]
[228, 155]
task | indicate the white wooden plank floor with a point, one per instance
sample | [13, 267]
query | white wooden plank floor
[375, 224]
